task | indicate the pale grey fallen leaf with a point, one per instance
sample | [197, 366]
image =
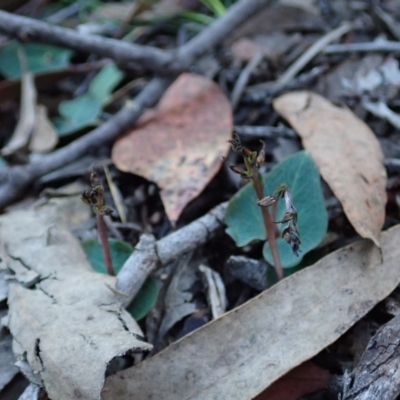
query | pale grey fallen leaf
[70, 319]
[23, 130]
[3, 285]
[216, 293]
[243, 352]
[179, 298]
[30, 393]
[7, 368]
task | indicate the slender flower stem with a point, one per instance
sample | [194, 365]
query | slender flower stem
[101, 227]
[269, 226]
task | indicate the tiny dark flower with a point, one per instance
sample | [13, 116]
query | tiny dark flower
[289, 216]
[290, 234]
[236, 144]
[261, 156]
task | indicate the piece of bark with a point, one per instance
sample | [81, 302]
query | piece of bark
[377, 374]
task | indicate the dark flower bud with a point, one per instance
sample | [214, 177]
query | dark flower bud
[266, 201]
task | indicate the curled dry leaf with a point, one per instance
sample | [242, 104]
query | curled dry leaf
[240, 354]
[26, 122]
[347, 153]
[70, 324]
[180, 144]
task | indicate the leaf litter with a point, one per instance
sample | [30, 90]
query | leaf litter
[70, 318]
[246, 354]
[292, 27]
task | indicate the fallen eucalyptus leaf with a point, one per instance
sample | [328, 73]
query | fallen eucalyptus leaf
[347, 154]
[240, 354]
[181, 142]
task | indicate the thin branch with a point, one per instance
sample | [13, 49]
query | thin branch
[265, 132]
[150, 254]
[29, 29]
[243, 79]
[380, 45]
[311, 52]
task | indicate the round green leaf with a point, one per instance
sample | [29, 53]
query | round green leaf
[40, 58]
[144, 300]
[77, 113]
[244, 218]
[84, 110]
[120, 252]
[105, 82]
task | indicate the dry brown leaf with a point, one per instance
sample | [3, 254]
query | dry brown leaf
[69, 325]
[180, 144]
[243, 352]
[304, 379]
[347, 153]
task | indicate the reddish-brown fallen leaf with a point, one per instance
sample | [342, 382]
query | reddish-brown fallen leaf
[305, 379]
[347, 153]
[180, 144]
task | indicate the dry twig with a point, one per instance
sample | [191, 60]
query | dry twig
[150, 254]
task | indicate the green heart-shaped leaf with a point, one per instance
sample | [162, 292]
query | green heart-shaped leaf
[39, 57]
[84, 110]
[120, 252]
[144, 300]
[244, 219]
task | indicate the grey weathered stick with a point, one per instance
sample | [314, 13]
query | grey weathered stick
[150, 254]
[265, 132]
[310, 53]
[157, 60]
[37, 31]
[384, 46]
[243, 79]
